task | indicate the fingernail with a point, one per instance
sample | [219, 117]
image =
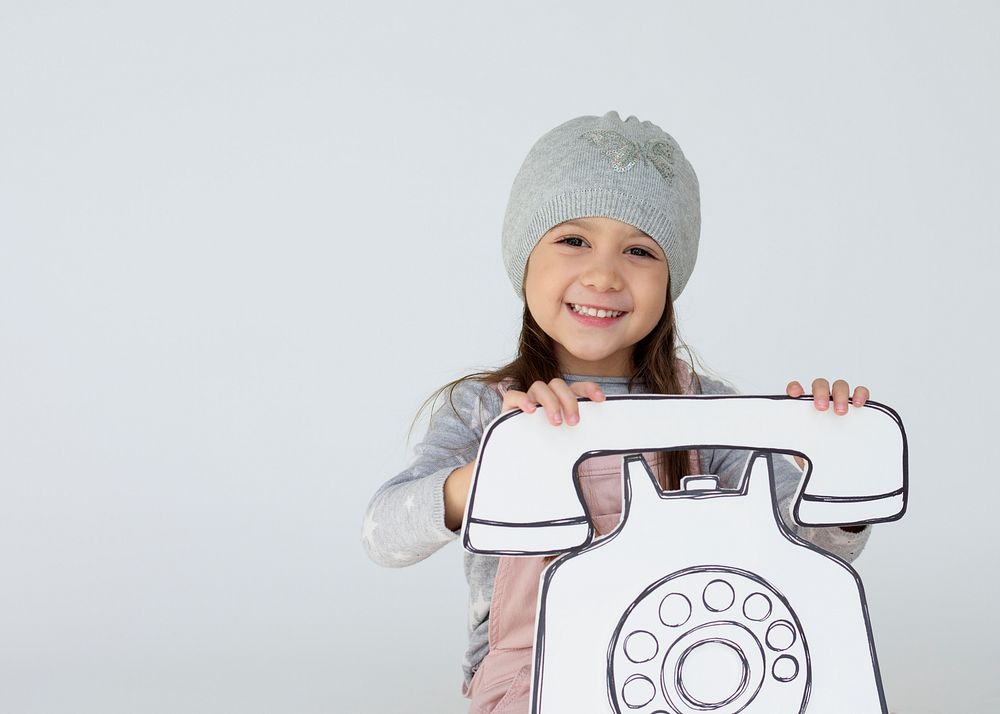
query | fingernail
[557, 419]
[822, 403]
[572, 419]
[840, 408]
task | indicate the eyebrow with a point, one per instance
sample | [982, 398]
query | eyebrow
[581, 224]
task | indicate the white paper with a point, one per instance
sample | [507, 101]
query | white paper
[745, 617]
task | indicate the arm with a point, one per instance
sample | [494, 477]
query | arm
[406, 518]
[456, 493]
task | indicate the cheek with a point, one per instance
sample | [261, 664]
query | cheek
[652, 317]
[537, 301]
[654, 294]
[544, 285]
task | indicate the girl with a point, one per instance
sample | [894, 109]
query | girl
[599, 239]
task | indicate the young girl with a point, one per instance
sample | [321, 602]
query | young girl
[599, 240]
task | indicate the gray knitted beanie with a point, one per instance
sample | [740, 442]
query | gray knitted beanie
[602, 166]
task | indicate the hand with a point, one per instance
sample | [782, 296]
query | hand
[821, 394]
[557, 398]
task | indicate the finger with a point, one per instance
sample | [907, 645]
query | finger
[570, 407]
[861, 395]
[821, 393]
[542, 394]
[516, 399]
[841, 393]
[591, 390]
[526, 403]
[794, 389]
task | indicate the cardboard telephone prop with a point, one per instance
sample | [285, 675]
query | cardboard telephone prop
[744, 616]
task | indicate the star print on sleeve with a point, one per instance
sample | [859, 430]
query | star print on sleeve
[368, 528]
[478, 609]
[399, 556]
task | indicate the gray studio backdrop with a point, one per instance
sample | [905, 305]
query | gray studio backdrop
[240, 243]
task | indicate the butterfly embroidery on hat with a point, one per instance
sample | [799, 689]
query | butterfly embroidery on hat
[623, 153]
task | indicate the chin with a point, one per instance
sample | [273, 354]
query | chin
[595, 358]
[596, 362]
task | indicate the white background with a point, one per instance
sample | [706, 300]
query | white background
[241, 242]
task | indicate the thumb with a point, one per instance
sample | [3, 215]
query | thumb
[591, 390]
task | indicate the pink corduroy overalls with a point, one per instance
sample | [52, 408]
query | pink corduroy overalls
[502, 683]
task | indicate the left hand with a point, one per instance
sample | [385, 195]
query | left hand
[821, 394]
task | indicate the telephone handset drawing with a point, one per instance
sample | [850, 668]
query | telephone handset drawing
[701, 600]
[856, 463]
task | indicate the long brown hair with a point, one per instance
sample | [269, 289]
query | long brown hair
[653, 365]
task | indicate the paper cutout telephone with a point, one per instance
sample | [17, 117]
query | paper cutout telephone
[745, 617]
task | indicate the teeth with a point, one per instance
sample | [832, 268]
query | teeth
[594, 312]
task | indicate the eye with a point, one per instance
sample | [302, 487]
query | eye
[640, 252]
[575, 241]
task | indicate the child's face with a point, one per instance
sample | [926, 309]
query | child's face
[602, 263]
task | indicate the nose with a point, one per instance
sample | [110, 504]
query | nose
[601, 274]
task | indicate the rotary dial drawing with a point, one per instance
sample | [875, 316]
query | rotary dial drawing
[709, 639]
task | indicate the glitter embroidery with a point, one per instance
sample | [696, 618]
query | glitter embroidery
[623, 153]
[620, 151]
[661, 155]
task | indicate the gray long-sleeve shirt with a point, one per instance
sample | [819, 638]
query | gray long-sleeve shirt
[404, 522]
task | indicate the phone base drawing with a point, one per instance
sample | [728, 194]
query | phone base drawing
[764, 623]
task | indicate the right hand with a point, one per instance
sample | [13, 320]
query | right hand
[557, 398]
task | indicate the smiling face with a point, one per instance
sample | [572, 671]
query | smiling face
[596, 286]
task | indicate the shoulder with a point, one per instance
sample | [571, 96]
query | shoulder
[475, 401]
[694, 382]
[710, 385]
[475, 391]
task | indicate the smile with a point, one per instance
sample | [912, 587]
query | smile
[594, 311]
[594, 316]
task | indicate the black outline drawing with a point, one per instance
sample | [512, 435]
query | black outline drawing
[760, 658]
